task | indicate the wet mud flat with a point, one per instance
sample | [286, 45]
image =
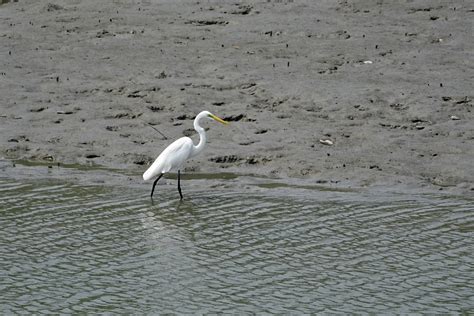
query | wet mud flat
[338, 93]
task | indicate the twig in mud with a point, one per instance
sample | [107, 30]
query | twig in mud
[149, 125]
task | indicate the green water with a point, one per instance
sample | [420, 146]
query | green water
[71, 248]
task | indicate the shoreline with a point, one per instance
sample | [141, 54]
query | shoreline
[25, 171]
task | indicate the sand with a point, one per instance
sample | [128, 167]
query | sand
[389, 84]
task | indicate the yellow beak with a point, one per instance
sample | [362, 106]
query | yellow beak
[218, 119]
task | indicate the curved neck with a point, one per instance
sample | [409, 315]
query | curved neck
[202, 137]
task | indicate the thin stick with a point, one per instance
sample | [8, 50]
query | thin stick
[149, 125]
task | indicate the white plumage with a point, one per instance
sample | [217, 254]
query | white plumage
[175, 155]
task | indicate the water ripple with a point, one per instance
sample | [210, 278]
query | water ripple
[69, 248]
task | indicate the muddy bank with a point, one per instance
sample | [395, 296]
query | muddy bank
[390, 85]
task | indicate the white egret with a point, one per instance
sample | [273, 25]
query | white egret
[174, 156]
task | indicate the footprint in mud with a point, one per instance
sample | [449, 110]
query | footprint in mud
[92, 156]
[37, 110]
[253, 160]
[399, 106]
[246, 143]
[121, 115]
[206, 22]
[242, 9]
[185, 117]
[137, 94]
[21, 138]
[235, 118]
[226, 159]
[155, 108]
[189, 132]
[137, 159]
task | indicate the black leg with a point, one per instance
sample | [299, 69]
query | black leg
[154, 184]
[179, 185]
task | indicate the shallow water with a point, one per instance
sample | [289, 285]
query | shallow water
[72, 248]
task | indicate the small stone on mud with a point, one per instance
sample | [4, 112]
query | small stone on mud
[47, 158]
[327, 142]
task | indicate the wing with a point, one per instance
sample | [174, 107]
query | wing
[172, 157]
